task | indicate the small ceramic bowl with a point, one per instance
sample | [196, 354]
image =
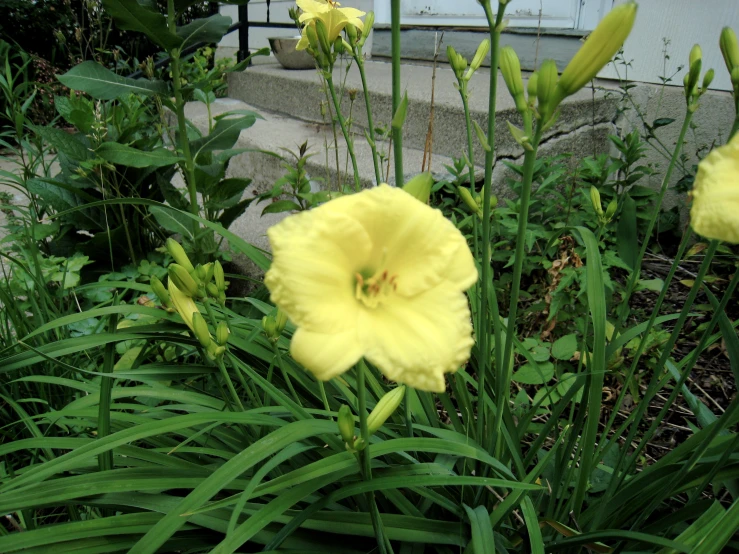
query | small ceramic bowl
[284, 51]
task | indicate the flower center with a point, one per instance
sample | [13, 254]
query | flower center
[373, 291]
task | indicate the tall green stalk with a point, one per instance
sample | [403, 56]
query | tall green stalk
[344, 128]
[397, 133]
[188, 166]
[494, 25]
[370, 122]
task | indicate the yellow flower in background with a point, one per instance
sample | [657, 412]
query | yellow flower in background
[715, 210]
[375, 274]
[332, 16]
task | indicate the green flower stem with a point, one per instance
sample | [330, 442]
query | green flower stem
[470, 146]
[494, 26]
[735, 127]
[397, 133]
[344, 130]
[370, 123]
[364, 459]
[503, 377]
[188, 165]
[634, 277]
[219, 360]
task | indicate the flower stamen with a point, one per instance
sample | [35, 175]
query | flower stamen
[375, 290]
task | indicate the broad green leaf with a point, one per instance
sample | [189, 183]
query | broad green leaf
[208, 29]
[68, 144]
[224, 135]
[122, 154]
[565, 347]
[173, 221]
[130, 15]
[103, 84]
[532, 375]
[280, 206]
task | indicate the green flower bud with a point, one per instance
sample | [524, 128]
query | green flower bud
[339, 45]
[280, 321]
[457, 61]
[595, 200]
[270, 328]
[200, 272]
[221, 298]
[532, 86]
[159, 290]
[178, 254]
[222, 333]
[369, 22]
[611, 209]
[478, 58]
[696, 54]
[322, 34]
[510, 67]
[183, 281]
[212, 290]
[346, 424]
[466, 196]
[385, 408]
[209, 269]
[598, 49]
[729, 48]
[695, 70]
[545, 89]
[351, 33]
[219, 276]
[200, 329]
[420, 186]
[707, 79]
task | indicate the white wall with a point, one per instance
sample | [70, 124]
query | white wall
[684, 23]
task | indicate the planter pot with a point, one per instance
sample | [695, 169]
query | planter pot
[289, 58]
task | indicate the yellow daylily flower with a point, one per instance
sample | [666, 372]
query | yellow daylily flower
[333, 17]
[715, 210]
[375, 274]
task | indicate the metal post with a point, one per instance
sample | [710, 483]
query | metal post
[243, 51]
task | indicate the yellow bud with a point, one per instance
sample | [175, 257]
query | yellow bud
[178, 254]
[280, 321]
[545, 89]
[510, 67]
[159, 290]
[595, 199]
[598, 49]
[466, 197]
[200, 329]
[729, 48]
[346, 424]
[182, 280]
[219, 276]
[420, 187]
[696, 54]
[532, 85]
[611, 209]
[385, 408]
[478, 58]
[222, 333]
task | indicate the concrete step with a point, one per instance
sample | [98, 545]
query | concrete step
[585, 122]
[277, 132]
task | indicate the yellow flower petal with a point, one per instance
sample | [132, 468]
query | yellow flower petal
[303, 43]
[715, 210]
[326, 355]
[412, 241]
[316, 256]
[415, 341]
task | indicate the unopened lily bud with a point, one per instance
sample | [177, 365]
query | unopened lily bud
[510, 67]
[270, 328]
[221, 298]
[729, 48]
[212, 290]
[385, 408]
[215, 351]
[696, 54]
[159, 290]
[200, 329]
[598, 49]
[208, 272]
[339, 45]
[280, 321]
[735, 76]
[222, 333]
[182, 279]
[346, 424]
[457, 61]
[707, 79]
[219, 276]
[532, 86]
[479, 57]
[369, 22]
[420, 187]
[611, 209]
[322, 34]
[695, 69]
[310, 32]
[178, 254]
[466, 197]
[595, 200]
[351, 33]
[201, 272]
[545, 89]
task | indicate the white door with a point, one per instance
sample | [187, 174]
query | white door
[558, 14]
